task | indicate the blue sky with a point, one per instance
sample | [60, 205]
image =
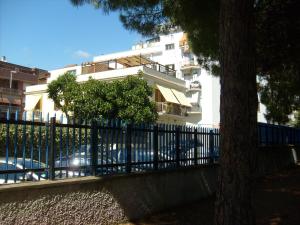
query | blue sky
[49, 34]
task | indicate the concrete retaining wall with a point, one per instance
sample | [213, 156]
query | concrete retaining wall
[111, 200]
[91, 200]
[273, 159]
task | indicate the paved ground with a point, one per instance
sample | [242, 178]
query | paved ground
[277, 202]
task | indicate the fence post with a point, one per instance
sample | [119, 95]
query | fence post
[211, 146]
[128, 148]
[52, 148]
[94, 147]
[177, 146]
[195, 147]
[155, 147]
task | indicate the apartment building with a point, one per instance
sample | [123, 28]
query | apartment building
[173, 52]
[202, 88]
[169, 92]
[184, 92]
[13, 81]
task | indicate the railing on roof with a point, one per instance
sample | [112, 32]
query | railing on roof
[95, 67]
[163, 69]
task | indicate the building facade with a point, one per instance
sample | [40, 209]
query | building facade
[169, 92]
[202, 88]
[184, 92]
[13, 81]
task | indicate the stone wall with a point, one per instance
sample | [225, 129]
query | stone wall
[95, 200]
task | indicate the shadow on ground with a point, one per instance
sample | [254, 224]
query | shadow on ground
[277, 202]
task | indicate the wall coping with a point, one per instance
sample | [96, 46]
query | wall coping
[91, 179]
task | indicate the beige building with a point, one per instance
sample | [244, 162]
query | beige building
[169, 91]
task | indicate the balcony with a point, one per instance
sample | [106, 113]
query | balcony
[10, 91]
[189, 66]
[194, 86]
[164, 108]
[162, 69]
[196, 108]
[123, 63]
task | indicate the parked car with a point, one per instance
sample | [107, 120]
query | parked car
[106, 157]
[19, 164]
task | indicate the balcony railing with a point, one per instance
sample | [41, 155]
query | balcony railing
[10, 91]
[170, 108]
[196, 108]
[163, 69]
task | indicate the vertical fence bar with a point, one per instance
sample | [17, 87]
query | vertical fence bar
[60, 145]
[128, 148]
[101, 126]
[32, 141]
[155, 147]
[211, 146]
[80, 146]
[195, 147]
[94, 146]
[52, 148]
[177, 146]
[16, 145]
[24, 141]
[46, 141]
[40, 144]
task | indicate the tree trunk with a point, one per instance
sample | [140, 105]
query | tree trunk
[238, 114]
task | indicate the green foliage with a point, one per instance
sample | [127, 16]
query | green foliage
[131, 98]
[281, 95]
[278, 60]
[63, 91]
[296, 122]
[127, 99]
[23, 140]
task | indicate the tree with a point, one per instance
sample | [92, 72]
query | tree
[131, 98]
[238, 83]
[278, 60]
[280, 92]
[127, 99]
[63, 91]
[238, 113]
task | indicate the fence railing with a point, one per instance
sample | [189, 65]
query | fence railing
[54, 148]
[51, 149]
[270, 135]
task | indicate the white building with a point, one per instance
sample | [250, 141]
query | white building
[169, 92]
[188, 95]
[203, 89]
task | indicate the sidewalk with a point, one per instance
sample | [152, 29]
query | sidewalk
[277, 202]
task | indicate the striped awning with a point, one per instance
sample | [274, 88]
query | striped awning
[181, 98]
[168, 94]
[31, 101]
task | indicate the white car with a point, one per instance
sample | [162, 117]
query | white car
[20, 164]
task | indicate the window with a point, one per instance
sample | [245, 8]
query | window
[153, 40]
[170, 46]
[170, 67]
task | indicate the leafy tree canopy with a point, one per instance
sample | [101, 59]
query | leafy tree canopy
[62, 92]
[127, 99]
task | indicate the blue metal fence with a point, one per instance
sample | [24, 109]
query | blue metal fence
[57, 148]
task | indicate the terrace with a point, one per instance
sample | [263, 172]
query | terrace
[125, 62]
